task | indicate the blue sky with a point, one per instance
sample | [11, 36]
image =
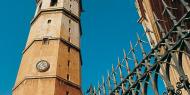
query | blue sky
[108, 26]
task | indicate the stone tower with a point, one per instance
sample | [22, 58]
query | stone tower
[51, 62]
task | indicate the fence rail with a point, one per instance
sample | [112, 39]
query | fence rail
[154, 66]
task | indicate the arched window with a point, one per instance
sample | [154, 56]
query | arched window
[53, 3]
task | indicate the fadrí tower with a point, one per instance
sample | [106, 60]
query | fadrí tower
[51, 62]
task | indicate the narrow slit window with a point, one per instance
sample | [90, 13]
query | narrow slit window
[69, 49]
[49, 21]
[45, 41]
[68, 77]
[69, 39]
[69, 30]
[53, 3]
[69, 21]
[68, 64]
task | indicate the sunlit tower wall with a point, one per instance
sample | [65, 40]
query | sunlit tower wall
[51, 62]
[156, 24]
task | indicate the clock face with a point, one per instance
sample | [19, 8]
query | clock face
[42, 66]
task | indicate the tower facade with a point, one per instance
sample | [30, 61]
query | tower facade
[158, 17]
[51, 62]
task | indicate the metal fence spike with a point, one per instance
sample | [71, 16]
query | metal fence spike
[141, 46]
[109, 82]
[103, 86]
[99, 88]
[134, 82]
[94, 90]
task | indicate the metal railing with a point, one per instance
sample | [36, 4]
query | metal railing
[155, 64]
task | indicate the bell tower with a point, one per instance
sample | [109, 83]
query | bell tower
[51, 62]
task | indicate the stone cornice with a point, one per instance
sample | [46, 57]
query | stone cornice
[62, 40]
[46, 77]
[53, 38]
[60, 9]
